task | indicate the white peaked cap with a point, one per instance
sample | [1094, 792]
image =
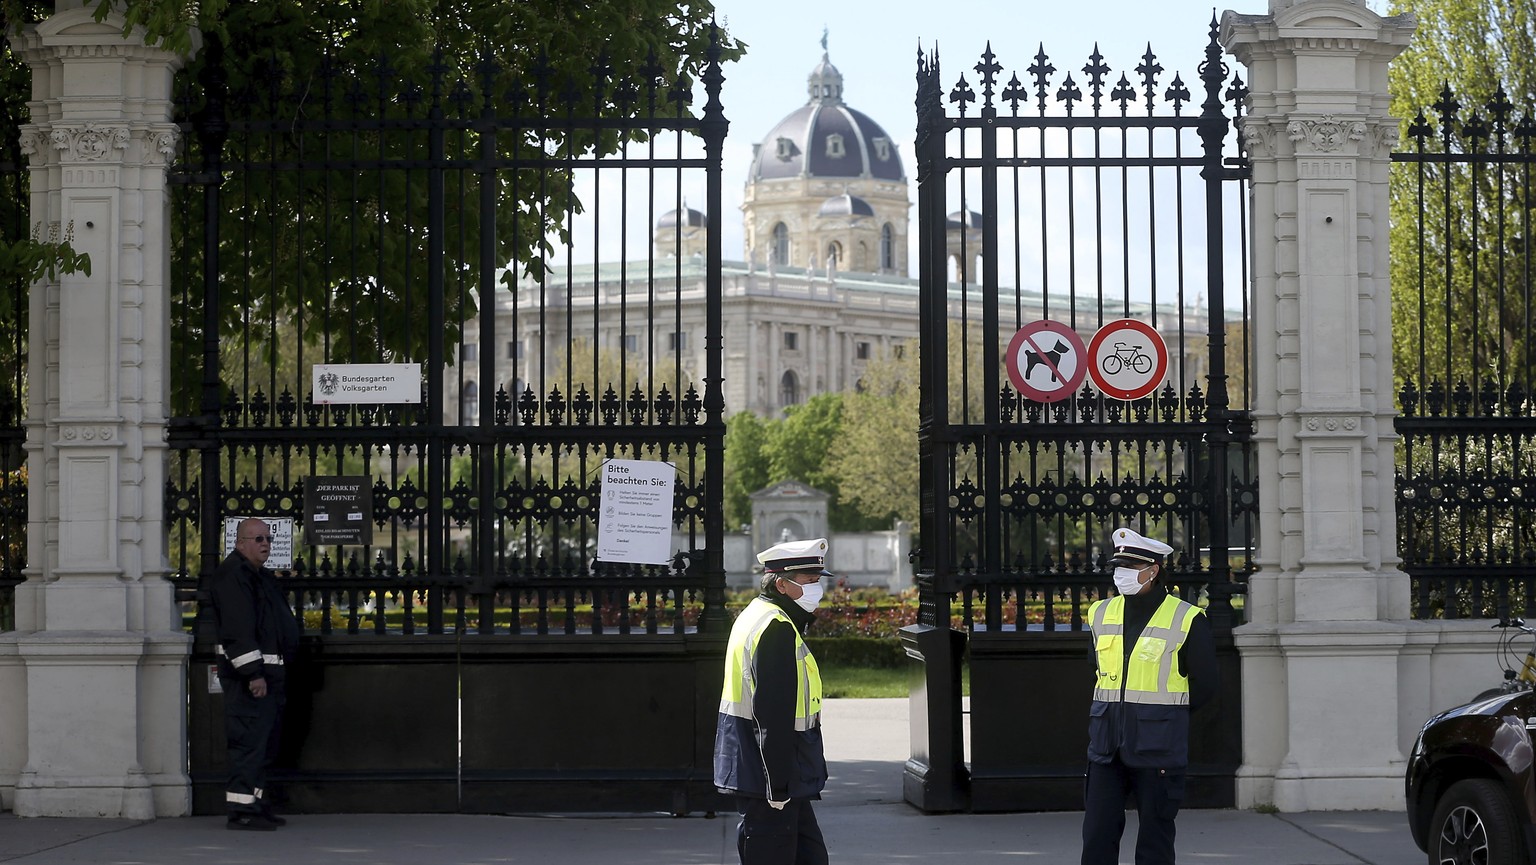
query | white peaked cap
[795, 556]
[1133, 547]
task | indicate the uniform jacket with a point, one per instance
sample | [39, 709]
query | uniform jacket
[251, 617]
[1153, 736]
[750, 752]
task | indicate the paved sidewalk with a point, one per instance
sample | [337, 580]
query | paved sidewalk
[862, 814]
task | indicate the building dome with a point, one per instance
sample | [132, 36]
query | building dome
[845, 205]
[690, 219]
[825, 138]
[967, 219]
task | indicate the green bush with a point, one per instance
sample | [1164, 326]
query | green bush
[878, 652]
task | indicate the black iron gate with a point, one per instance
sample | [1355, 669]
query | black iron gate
[478, 222]
[1116, 199]
[14, 228]
[1462, 309]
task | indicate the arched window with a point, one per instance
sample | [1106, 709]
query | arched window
[780, 249]
[887, 247]
[789, 390]
[469, 403]
[835, 254]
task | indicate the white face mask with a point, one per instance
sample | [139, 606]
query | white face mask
[1126, 580]
[810, 596]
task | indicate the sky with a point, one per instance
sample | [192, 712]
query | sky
[874, 46]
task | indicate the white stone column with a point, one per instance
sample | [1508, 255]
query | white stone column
[1328, 608]
[99, 637]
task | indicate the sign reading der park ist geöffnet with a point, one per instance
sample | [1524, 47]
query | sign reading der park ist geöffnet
[634, 521]
[344, 383]
[338, 510]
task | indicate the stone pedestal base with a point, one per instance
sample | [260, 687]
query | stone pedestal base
[85, 756]
[1322, 716]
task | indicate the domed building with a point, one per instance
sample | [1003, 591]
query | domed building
[681, 233]
[826, 189]
[819, 292]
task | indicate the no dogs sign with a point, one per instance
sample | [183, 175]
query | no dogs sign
[1047, 361]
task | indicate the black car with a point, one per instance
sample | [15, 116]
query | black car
[1471, 782]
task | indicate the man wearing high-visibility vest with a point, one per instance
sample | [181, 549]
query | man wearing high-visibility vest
[768, 751]
[1154, 663]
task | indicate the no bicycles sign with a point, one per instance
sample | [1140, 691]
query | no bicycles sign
[1127, 359]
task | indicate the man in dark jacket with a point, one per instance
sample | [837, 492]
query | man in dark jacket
[257, 638]
[768, 751]
[1138, 725]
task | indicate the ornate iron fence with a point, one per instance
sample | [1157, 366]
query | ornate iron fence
[1101, 201]
[1125, 210]
[14, 187]
[1462, 305]
[441, 216]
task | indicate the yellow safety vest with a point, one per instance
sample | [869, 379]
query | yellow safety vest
[740, 686]
[1153, 676]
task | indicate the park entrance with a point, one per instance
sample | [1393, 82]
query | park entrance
[1081, 198]
[449, 214]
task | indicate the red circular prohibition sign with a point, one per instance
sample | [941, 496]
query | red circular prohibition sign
[1121, 365]
[1051, 355]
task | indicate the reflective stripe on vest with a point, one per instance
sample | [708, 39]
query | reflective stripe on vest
[740, 685]
[1153, 676]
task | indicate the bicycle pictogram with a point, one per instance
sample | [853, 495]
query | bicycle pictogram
[1126, 355]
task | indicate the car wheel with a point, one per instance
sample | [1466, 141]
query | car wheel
[1474, 824]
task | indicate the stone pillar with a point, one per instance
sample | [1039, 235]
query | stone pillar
[98, 634]
[1328, 608]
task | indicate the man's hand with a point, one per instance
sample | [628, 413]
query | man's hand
[258, 686]
[777, 806]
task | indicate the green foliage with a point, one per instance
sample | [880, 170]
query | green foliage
[291, 240]
[746, 467]
[1460, 272]
[759, 453]
[876, 456]
[1462, 331]
[34, 259]
[864, 652]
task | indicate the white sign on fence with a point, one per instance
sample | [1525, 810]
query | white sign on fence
[634, 522]
[281, 530]
[342, 383]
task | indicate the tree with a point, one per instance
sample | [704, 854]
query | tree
[294, 61]
[1461, 289]
[746, 466]
[1465, 82]
[875, 458]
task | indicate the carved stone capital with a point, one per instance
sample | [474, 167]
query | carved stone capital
[91, 142]
[160, 145]
[1259, 137]
[1325, 134]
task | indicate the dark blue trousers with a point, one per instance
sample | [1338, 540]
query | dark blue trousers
[252, 730]
[768, 836]
[1159, 793]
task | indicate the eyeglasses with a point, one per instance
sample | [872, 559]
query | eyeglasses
[260, 539]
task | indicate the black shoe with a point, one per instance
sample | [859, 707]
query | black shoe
[250, 823]
[273, 818]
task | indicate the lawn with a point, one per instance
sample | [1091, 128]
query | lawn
[838, 680]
